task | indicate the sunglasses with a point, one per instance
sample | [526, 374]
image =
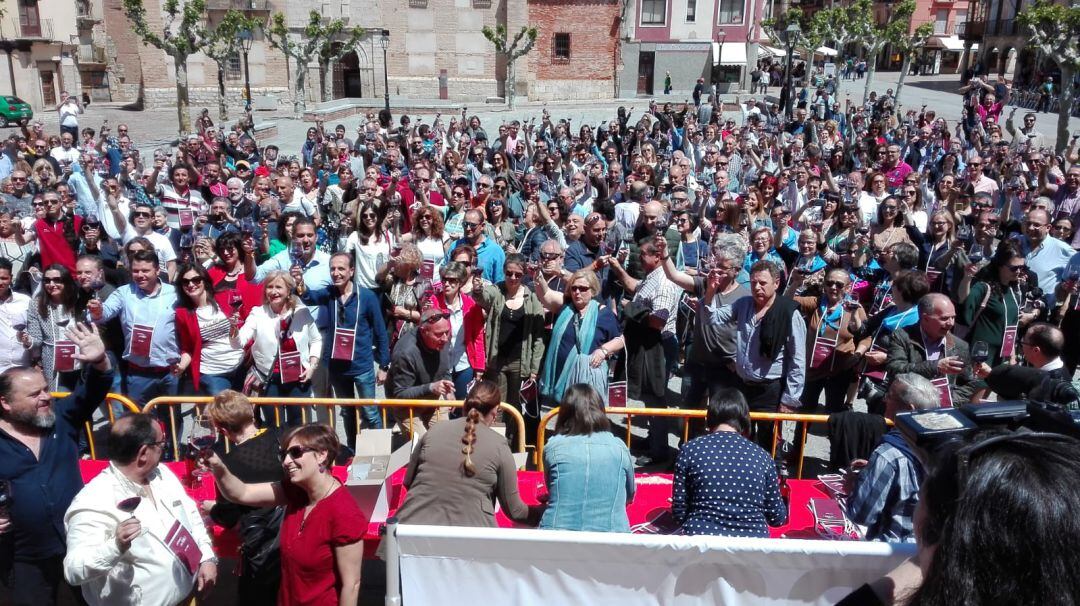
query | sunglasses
[141, 214]
[294, 452]
[513, 274]
[500, 188]
[1016, 268]
[442, 315]
[549, 256]
[580, 289]
[48, 280]
[835, 284]
[196, 281]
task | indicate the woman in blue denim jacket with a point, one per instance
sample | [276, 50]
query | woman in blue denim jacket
[590, 476]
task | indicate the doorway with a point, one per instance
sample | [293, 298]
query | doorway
[646, 62]
[48, 89]
[352, 84]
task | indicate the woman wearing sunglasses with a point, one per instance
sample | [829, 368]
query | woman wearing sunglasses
[994, 305]
[585, 335]
[322, 532]
[205, 331]
[832, 350]
[286, 346]
[54, 308]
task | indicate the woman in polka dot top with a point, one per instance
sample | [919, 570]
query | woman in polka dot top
[724, 483]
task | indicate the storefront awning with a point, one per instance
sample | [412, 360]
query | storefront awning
[772, 51]
[948, 44]
[733, 53]
[828, 52]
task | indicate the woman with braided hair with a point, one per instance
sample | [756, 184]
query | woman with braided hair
[460, 465]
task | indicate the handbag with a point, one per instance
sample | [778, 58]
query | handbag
[260, 543]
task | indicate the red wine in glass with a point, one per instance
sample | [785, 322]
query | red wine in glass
[129, 505]
[203, 444]
[236, 301]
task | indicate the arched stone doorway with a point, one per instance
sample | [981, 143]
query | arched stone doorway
[353, 75]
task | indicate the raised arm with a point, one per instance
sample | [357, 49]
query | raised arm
[265, 494]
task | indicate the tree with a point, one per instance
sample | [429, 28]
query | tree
[222, 43]
[522, 44]
[178, 40]
[809, 39]
[874, 37]
[835, 26]
[908, 44]
[1054, 30]
[318, 42]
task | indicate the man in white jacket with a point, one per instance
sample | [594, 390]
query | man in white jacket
[155, 550]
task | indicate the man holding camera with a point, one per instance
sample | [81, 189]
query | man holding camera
[1046, 255]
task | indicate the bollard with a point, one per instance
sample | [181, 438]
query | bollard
[393, 576]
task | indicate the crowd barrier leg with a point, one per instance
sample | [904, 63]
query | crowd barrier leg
[393, 574]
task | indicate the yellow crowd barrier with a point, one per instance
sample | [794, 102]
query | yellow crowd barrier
[804, 420]
[89, 427]
[329, 403]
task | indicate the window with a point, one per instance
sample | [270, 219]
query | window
[560, 48]
[691, 11]
[653, 12]
[731, 11]
[941, 22]
[234, 67]
[481, 3]
[961, 17]
[417, 3]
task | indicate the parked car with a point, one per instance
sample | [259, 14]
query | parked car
[14, 110]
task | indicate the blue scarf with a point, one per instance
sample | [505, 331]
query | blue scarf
[553, 381]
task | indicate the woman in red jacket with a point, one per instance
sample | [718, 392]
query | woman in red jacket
[467, 354]
[233, 272]
[205, 332]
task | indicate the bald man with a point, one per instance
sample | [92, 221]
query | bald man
[930, 349]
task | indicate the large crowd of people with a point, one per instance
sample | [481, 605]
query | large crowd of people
[847, 254]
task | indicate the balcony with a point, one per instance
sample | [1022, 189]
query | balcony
[91, 54]
[12, 29]
[971, 30]
[84, 14]
[244, 6]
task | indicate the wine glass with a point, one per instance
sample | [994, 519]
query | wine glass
[129, 505]
[296, 252]
[236, 301]
[202, 438]
[980, 352]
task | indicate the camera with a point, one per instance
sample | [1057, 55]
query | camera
[932, 430]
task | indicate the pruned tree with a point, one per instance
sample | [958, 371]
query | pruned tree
[519, 47]
[809, 39]
[835, 27]
[222, 43]
[182, 35]
[908, 42]
[317, 42]
[1054, 30]
[874, 36]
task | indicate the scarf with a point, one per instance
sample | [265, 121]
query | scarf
[553, 381]
[776, 326]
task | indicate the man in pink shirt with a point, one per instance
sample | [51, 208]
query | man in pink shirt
[979, 182]
[895, 168]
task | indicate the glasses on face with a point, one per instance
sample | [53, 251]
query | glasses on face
[1034, 225]
[549, 256]
[513, 274]
[368, 216]
[499, 188]
[580, 289]
[19, 179]
[888, 208]
[470, 225]
[294, 452]
[1062, 228]
[141, 214]
[458, 194]
[835, 284]
[49, 280]
[939, 223]
[196, 281]
[1016, 268]
[484, 185]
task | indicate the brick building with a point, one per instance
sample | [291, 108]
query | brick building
[36, 38]
[576, 49]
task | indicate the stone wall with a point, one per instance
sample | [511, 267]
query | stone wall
[154, 98]
[570, 90]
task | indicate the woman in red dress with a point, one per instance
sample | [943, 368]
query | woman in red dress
[321, 536]
[233, 271]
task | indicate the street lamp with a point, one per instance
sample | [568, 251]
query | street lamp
[384, 40]
[720, 37]
[246, 39]
[791, 34]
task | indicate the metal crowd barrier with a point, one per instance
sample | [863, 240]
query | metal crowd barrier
[804, 420]
[329, 403]
[89, 426]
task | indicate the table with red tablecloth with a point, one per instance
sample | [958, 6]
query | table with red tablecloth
[653, 497]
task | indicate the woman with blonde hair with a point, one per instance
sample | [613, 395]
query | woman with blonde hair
[323, 528]
[285, 345]
[460, 467]
[42, 177]
[403, 290]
